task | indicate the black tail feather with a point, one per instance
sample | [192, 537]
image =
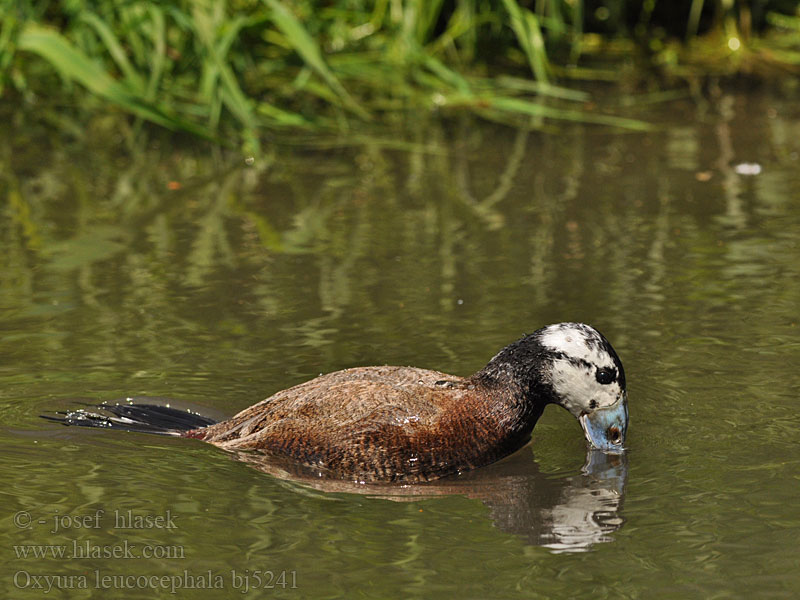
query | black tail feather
[142, 418]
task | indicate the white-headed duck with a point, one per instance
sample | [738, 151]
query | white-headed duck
[406, 424]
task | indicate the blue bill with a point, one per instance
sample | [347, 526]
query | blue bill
[605, 428]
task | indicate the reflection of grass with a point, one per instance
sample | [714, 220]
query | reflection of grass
[233, 70]
[463, 231]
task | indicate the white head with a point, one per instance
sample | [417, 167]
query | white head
[588, 380]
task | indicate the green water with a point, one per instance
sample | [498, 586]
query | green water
[434, 249]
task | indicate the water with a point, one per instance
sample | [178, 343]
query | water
[165, 272]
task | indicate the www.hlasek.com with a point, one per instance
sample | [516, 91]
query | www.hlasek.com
[77, 550]
[242, 581]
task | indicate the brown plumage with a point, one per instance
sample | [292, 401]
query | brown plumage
[384, 423]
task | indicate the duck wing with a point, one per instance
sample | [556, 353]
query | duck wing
[340, 403]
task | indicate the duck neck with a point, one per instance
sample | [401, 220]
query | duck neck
[516, 388]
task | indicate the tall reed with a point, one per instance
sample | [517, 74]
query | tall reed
[237, 69]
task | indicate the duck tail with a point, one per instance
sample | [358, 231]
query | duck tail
[133, 416]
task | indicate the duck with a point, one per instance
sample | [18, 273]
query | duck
[408, 425]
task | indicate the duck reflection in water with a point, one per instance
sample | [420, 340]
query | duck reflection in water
[568, 513]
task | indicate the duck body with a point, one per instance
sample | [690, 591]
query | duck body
[404, 424]
[384, 424]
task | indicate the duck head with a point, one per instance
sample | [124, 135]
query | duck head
[586, 377]
[574, 366]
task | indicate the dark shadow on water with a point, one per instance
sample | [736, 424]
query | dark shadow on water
[563, 513]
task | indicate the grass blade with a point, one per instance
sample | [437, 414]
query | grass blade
[114, 50]
[158, 34]
[73, 64]
[533, 109]
[529, 35]
[302, 42]
[233, 96]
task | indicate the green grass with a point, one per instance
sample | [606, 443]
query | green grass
[240, 70]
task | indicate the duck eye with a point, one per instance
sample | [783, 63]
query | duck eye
[605, 376]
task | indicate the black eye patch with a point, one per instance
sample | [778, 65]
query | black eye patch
[605, 375]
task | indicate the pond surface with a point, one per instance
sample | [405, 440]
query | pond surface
[167, 272]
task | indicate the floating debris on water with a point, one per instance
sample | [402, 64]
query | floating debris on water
[747, 169]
